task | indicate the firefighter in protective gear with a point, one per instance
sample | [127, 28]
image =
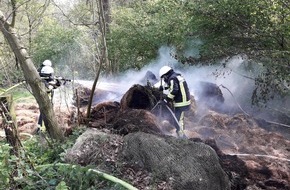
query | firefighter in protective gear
[46, 73]
[44, 63]
[178, 93]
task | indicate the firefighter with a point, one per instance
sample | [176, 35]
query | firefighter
[178, 94]
[46, 73]
[46, 63]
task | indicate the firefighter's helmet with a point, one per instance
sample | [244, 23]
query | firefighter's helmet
[47, 63]
[164, 70]
[47, 70]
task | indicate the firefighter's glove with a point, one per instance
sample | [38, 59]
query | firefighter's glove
[55, 84]
[161, 88]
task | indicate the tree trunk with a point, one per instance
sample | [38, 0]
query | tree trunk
[104, 55]
[32, 78]
[107, 13]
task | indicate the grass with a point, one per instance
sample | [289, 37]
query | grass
[22, 95]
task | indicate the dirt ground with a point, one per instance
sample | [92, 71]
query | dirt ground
[27, 114]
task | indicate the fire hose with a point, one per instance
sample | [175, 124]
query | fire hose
[162, 103]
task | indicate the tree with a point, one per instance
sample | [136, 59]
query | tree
[140, 28]
[53, 41]
[32, 77]
[95, 21]
[257, 28]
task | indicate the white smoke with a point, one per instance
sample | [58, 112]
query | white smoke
[234, 77]
[231, 74]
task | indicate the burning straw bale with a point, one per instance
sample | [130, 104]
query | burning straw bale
[138, 97]
[104, 113]
[265, 154]
[134, 120]
[235, 168]
[209, 94]
[149, 79]
[214, 120]
[146, 97]
[190, 165]
[94, 147]
[82, 95]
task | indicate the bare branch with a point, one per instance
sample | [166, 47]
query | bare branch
[14, 8]
[71, 21]
[34, 22]
[13, 2]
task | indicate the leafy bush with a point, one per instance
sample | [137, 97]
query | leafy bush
[5, 167]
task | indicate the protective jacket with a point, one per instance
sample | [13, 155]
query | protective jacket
[46, 73]
[178, 90]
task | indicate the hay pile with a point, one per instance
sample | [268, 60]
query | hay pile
[252, 157]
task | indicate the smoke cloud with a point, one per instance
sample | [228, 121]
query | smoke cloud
[234, 77]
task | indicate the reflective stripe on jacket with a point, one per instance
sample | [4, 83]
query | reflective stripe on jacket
[178, 90]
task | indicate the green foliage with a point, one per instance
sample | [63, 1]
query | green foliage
[140, 29]
[274, 81]
[55, 177]
[45, 174]
[258, 28]
[5, 167]
[66, 176]
[22, 95]
[9, 73]
[42, 152]
[53, 41]
[233, 27]
[62, 186]
[51, 152]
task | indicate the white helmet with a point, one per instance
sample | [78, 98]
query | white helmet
[47, 70]
[164, 70]
[47, 63]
